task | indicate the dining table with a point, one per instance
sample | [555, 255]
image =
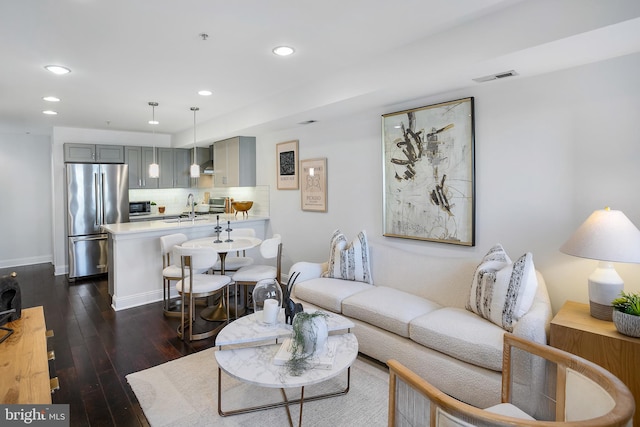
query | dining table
[222, 246]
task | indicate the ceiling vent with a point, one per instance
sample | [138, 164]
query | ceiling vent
[307, 122]
[502, 75]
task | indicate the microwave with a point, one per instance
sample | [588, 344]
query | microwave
[139, 208]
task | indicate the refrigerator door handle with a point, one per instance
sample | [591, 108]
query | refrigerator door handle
[102, 199]
[97, 198]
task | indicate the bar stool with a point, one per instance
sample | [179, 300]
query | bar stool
[197, 285]
[170, 271]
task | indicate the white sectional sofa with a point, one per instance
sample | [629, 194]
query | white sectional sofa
[414, 311]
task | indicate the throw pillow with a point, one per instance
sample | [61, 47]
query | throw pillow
[503, 291]
[349, 261]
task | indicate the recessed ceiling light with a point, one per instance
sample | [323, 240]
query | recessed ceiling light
[49, 112]
[283, 50]
[51, 99]
[58, 69]
[205, 92]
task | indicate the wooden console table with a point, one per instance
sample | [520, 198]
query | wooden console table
[574, 330]
[24, 366]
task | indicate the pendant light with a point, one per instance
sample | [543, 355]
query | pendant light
[154, 168]
[195, 167]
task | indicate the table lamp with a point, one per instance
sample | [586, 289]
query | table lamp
[607, 236]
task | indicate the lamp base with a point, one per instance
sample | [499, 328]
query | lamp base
[601, 311]
[605, 285]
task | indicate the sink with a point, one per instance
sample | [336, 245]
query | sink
[185, 220]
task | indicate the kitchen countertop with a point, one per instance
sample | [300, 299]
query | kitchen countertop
[171, 224]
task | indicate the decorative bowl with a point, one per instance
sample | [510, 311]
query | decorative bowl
[627, 324]
[243, 206]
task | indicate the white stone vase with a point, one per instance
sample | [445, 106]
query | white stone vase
[627, 324]
[315, 333]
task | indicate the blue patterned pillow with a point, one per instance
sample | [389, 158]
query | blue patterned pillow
[349, 261]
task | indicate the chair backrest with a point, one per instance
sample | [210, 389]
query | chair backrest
[167, 243]
[198, 259]
[577, 393]
[269, 247]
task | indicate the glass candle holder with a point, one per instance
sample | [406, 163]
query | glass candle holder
[267, 289]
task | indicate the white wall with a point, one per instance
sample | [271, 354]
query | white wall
[25, 200]
[549, 150]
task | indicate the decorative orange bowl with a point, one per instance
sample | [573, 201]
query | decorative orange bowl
[243, 206]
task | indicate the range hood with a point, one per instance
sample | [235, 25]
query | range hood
[206, 168]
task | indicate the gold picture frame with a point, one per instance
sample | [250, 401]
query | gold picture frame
[287, 165]
[313, 185]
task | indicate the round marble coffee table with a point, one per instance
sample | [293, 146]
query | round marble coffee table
[254, 364]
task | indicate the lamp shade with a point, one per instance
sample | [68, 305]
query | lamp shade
[606, 235]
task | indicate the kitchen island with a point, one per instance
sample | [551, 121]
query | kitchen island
[135, 258]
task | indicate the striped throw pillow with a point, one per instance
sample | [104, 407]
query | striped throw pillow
[503, 291]
[349, 260]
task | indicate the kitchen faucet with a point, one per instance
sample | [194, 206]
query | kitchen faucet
[190, 202]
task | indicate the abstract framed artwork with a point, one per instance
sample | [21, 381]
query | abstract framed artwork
[287, 165]
[313, 185]
[429, 173]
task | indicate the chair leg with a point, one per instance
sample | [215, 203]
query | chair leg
[182, 314]
[191, 317]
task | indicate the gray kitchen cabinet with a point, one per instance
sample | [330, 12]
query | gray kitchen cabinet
[165, 161]
[93, 153]
[181, 165]
[174, 167]
[234, 161]
[139, 159]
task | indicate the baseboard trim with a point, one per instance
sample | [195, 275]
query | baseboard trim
[135, 300]
[17, 262]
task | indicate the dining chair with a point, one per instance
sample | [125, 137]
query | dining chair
[541, 386]
[250, 275]
[195, 284]
[171, 272]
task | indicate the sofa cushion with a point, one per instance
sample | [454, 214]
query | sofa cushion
[328, 293]
[387, 308]
[349, 261]
[502, 291]
[460, 334]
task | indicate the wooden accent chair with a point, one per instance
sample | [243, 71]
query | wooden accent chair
[541, 386]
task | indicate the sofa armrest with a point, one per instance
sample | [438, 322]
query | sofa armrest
[307, 270]
[535, 324]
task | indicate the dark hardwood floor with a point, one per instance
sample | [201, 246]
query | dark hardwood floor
[97, 347]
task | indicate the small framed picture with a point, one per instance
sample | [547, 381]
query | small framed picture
[287, 165]
[313, 184]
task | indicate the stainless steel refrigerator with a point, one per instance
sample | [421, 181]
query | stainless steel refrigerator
[97, 194]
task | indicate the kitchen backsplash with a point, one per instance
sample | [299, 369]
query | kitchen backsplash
[175, 199]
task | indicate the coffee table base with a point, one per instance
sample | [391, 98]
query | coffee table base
[285, 402]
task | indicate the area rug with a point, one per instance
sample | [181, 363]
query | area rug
[183, 392]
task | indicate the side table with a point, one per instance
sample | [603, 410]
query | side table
[574, 330]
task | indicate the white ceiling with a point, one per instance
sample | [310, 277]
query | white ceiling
[350, 55]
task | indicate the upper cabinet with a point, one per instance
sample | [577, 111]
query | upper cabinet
[181, 164]
[235, 162]
[174, 167]
[139, 159]
[93, 153]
